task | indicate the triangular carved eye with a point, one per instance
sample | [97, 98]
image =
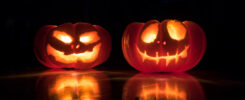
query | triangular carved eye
[89, 37]
[176, 30]
[150, 33]
[62, 36]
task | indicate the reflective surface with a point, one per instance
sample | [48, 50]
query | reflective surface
[73, 85]
[169, 86]
[118, 85]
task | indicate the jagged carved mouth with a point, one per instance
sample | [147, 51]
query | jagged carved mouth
[168, 58]
[85, 57]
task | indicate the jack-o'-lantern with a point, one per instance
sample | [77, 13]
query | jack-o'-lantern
[79, 45]
[163, 87]
[73, 85]
[169, 46]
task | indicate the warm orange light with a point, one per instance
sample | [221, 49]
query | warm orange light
[158, 92]
[72, 87]
[176, 30]
[168, 58]
[150, 33]
[62, 36]
[85, 57]
[89, 37]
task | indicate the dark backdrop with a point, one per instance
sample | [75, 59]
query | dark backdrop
[23, 18]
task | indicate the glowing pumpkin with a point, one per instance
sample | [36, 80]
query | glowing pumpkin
[163, 87]
[79, 45]
[169, 46]
[73, 85]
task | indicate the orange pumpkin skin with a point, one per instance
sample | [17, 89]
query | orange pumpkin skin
[167, 46]
[153, 86]
[69, 85]
[79, 45]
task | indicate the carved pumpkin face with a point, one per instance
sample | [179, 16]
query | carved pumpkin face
[79, 45]
[163, 87]
[163, 47]
[163, 42]
[73, 85]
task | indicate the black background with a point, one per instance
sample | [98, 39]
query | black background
[22, 19]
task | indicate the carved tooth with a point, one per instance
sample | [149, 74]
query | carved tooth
[157, 59]
[184, 52]
[167, 59]
[177, 56]
[143, 57]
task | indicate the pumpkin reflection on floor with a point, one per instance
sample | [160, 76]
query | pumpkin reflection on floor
[162, 87]
[73, 85]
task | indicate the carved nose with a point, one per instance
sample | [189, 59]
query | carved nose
[158, 42]
[76, 46]
[164, 43]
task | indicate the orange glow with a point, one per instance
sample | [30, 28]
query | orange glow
[176, 30]
[150, 33]
[85, 57]
[89, 37]
[72, 87]
[62, 36]
[159, 92]
[168, 58]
